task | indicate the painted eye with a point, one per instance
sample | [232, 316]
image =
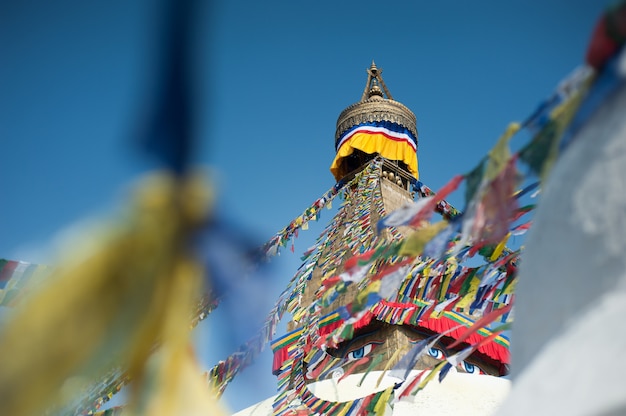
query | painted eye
[471, 368]
[359, 353]
[436, 353]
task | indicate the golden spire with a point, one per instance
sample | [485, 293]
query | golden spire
[374, 78]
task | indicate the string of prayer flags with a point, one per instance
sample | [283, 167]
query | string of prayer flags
[312, 213]
[301, 222]
[444, 208]
[488, 318]
[413, 214]
[438, 199]
[224, 372]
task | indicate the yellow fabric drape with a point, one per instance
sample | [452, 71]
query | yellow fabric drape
[376, 143]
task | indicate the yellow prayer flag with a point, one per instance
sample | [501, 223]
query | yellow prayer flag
[382, 401]
[451, 266]
[510, 288]
[430, 376]
[372, 288]
[390, 362]
[562, 116]
[414, 244]
[471, 293]
[344, 409]
[499, 248]
[298, 314]
[500, 154]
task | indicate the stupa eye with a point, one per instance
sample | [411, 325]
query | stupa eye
[471, 368]
[361, 352]
[436, 353]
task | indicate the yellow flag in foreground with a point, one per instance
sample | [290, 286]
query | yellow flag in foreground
[133, 290]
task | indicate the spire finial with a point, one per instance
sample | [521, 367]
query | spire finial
[374, 79]
[373, 67]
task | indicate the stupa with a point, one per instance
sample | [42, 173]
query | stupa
[376, 165]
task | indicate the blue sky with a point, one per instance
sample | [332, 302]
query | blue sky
[270, 79]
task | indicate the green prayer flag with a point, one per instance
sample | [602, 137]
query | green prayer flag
[473, 180]
[540, 153]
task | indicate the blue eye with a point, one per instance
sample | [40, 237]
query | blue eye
[471, 368]
[436, 353]
[359, 352]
